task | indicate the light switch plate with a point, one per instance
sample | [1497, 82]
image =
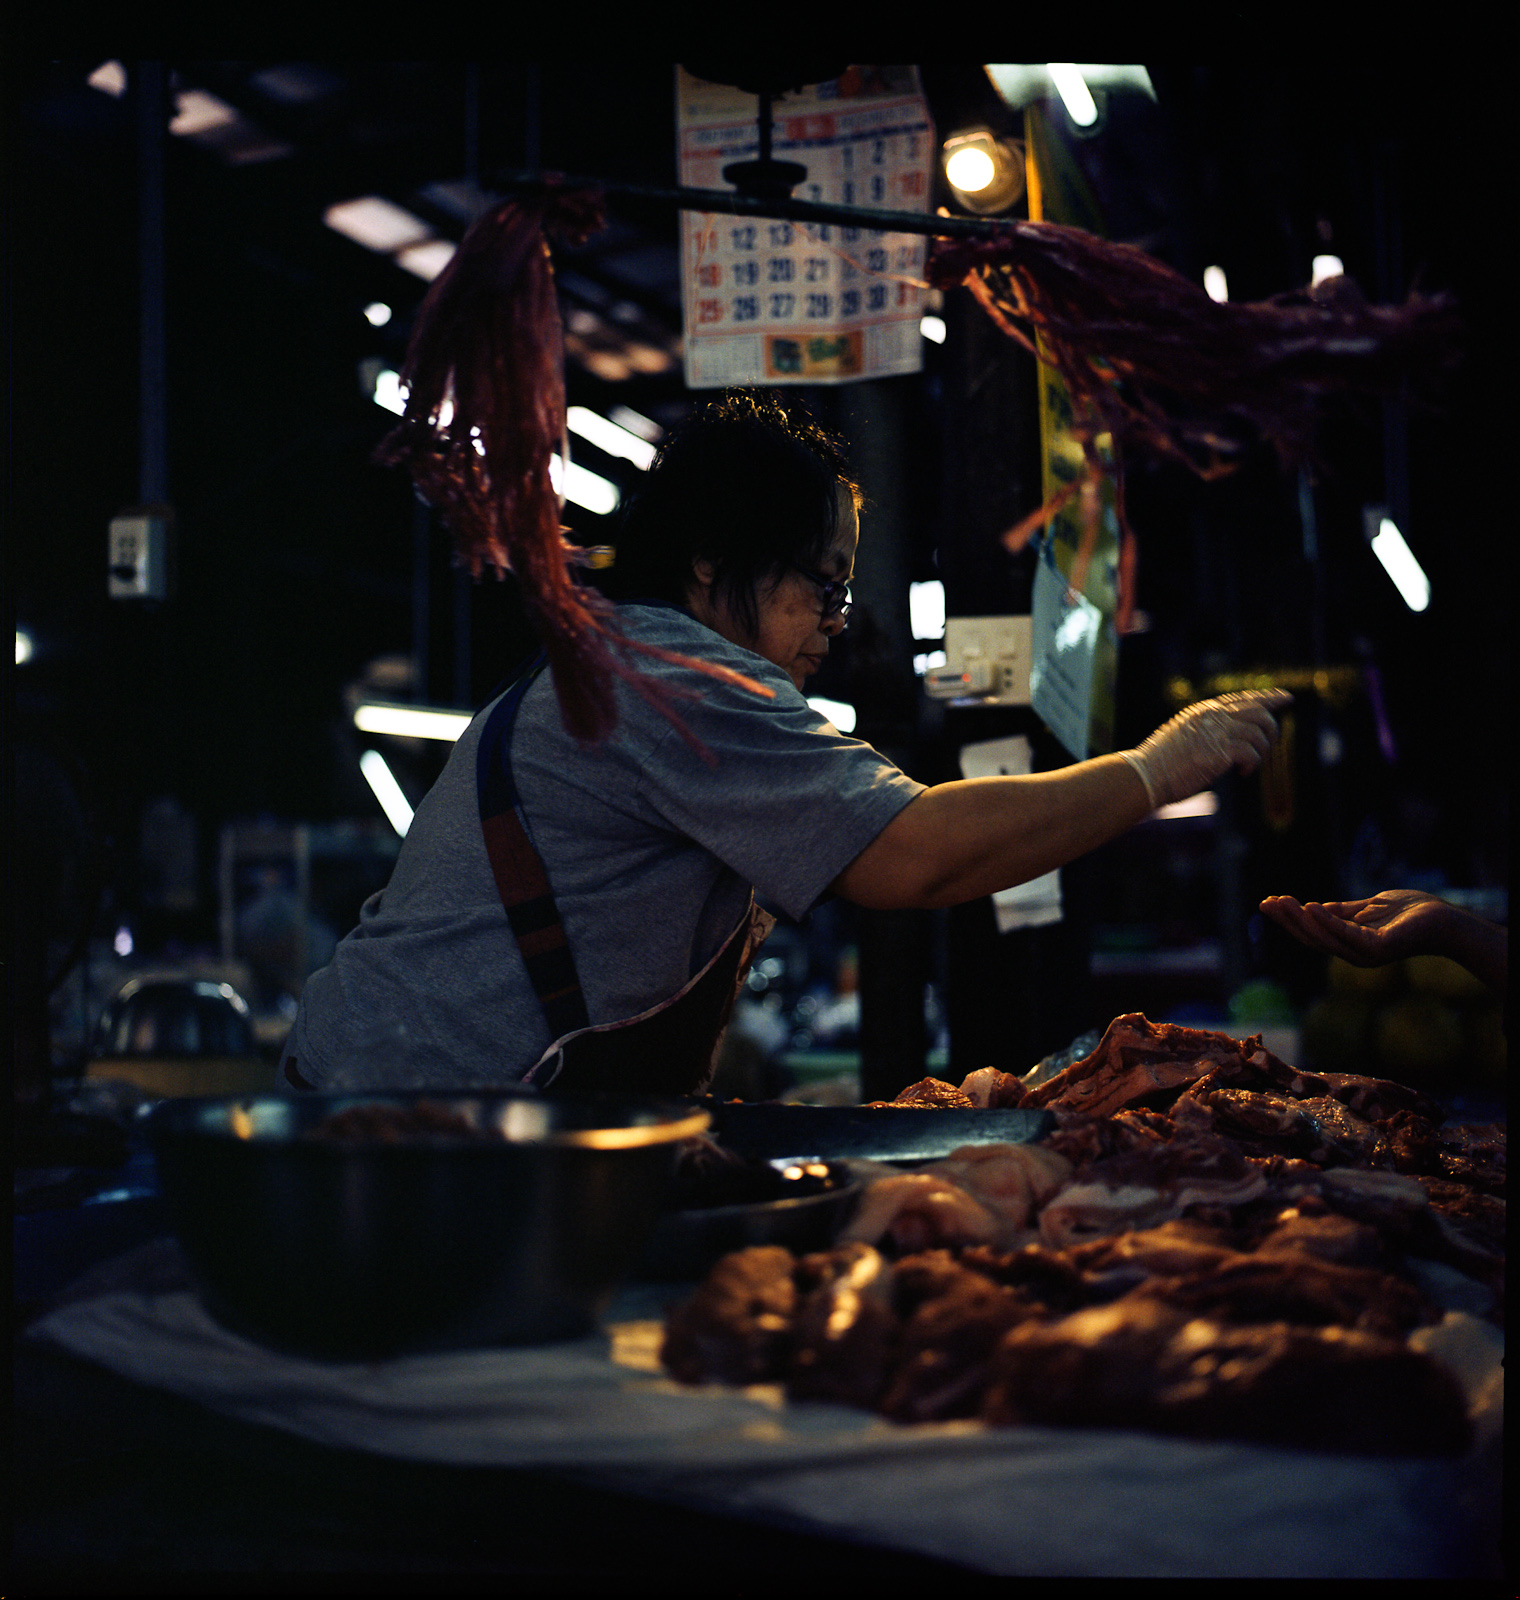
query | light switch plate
[138, 557]
[995, 651]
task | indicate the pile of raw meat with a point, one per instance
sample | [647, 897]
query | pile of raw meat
[1210, 1243]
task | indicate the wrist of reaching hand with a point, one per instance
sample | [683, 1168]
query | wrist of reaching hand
[1137, 765]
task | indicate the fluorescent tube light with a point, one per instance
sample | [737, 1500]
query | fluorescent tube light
[608, 436]
[635, 422]
[195, 112]
[1019, 83]
[1399, 563]
[387, 791]
[1326, 267]
[389, 391]
[411, 722]
[110, 77]
[377, 313]
[932, 328]
[1198, 805]
[23, 646]
[1074, 93]
[840, 714]
[427, 259]
[1215, 285]
[926, 609]
[588, 489]
[376, 224]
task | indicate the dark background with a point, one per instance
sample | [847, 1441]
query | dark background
[299, 563]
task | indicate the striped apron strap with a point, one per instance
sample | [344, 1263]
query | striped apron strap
[521, 880]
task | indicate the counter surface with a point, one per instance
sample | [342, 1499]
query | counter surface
[157, 1452]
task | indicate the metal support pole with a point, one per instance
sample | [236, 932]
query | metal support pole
[152, 121]
[895, 947]
[472, 123]
[422, 599]
[737, 204]
[532, 120]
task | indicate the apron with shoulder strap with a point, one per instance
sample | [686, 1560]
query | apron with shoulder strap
[667, 1049]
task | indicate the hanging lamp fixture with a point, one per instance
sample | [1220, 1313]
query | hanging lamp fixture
[766, 178]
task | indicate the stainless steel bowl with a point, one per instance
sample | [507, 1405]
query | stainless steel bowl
[361, 1226]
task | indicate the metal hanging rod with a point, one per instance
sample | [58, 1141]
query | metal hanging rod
[781, 209]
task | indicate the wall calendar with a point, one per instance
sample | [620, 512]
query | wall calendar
[776, 302]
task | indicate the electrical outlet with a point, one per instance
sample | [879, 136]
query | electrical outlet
[991, 656]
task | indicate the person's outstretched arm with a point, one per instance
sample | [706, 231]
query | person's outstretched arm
[1395, 924]
[961, 840]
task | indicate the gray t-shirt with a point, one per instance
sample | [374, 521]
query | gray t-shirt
[651, 847]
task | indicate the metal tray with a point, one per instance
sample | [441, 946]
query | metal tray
[866, 1133]
[685, 1244]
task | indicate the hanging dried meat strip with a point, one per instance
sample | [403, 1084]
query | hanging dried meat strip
[1151, 361]
[485, 411]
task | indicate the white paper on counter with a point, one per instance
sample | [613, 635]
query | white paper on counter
[1015, 1501]
[1037, 903]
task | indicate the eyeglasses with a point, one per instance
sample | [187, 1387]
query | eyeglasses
[835, 595]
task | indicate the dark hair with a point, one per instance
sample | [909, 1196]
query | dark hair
[748, 483]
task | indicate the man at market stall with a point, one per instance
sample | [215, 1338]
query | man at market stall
[580, 914]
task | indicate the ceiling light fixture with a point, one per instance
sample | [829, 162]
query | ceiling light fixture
[207, 120]
[926, 609]
[969, 167]
[387, 791]
[410, 722]
[110, 77]
[195, 112]
[646, 428]
[986, 172]
[587, 489]
[1021, 83]
[837, 712]
[376, 224]
[1398, 559]
[1074, 93]
[609, 436]
[427, 259]
[389, 391]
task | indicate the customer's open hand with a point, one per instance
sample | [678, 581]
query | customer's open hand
[1367, 933]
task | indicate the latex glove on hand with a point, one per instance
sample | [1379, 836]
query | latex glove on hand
[1199, 745]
